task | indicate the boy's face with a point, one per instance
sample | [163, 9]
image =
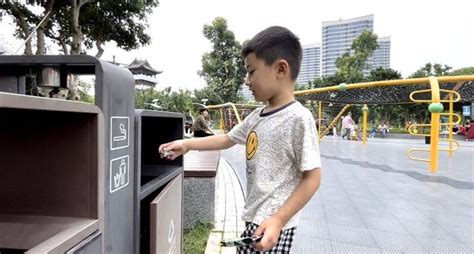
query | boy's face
[261, 78]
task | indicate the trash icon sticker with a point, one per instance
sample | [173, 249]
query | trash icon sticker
[119, 132]
[119, 173]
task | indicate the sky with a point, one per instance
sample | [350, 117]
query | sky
[421, 31]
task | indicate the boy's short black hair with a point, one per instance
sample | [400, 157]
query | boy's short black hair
[275, 43]
[202, 110]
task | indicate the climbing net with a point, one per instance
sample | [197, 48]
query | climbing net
[388, 94]
[336, 101]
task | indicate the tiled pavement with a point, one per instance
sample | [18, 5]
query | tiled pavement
[229, 205]
[373, 199]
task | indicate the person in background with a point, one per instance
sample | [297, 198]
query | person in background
[383, 129]
[347, 124]
[354, 133]
[342, 128]
[469, 131]
[373, 131]
[201, 125]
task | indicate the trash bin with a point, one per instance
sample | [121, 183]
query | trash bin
[107, 197]
[427, 140]
[159, 183]
[49, 173]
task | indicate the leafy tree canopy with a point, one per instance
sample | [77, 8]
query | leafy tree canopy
[175, 101]
[77, 23]
[223, 67]
[430, 69]
[381, 73]
[351, 64]
[462, 71]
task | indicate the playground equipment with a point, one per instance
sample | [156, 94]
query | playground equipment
[231, 114]
[84, 178]
[435, 108]
[323, 132]
[401, 92]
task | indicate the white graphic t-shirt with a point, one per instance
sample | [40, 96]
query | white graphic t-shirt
[280, 145]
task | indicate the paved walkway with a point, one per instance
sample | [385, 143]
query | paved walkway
[372, 199]
[229, 205]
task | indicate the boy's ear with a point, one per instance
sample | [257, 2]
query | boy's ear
[282, 68]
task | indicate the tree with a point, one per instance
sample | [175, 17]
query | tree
[223, 67]
[462, 71]
[72, 24]
[351, 64]
[209, 94]
[83, 89]
[430, 69]
[23, 18]
[381, 73]
[330, 80]
[123, 22]
[180, 101]
[5, 46]
[387, 113]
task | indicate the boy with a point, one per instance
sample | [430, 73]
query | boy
[283, 162]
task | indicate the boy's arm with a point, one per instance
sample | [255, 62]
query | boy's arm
[180, 147]
[271, 227]
[216, 142]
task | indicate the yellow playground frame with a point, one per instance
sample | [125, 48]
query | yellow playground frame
[435, 107]
[233, 107]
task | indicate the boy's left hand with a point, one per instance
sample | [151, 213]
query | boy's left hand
[271, 229]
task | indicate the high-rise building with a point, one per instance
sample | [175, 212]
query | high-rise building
[337, 37]
[381, 56]
[310, 64]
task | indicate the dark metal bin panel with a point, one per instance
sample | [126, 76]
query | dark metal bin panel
[166, 219]
[115, 96]
[91, 245]
[153, 128]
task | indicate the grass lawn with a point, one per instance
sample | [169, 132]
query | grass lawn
[195, 239]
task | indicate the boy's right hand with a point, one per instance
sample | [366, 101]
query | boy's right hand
[174, 149]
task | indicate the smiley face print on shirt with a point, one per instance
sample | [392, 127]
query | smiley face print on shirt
[252, 145]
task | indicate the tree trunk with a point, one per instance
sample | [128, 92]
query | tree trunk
[23, 25]
[76, 28]
[40, 42]
[40, 32]
[65, 49]
[100, 49]
[28, 50]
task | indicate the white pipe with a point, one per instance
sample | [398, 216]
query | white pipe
[34, 30]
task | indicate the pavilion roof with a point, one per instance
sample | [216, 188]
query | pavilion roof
[139, 66]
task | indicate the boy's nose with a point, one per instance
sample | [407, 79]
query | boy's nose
[247, 80]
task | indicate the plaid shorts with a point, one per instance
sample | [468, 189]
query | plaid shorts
[283, 245]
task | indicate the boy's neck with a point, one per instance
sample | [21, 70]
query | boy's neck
[280, 100]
